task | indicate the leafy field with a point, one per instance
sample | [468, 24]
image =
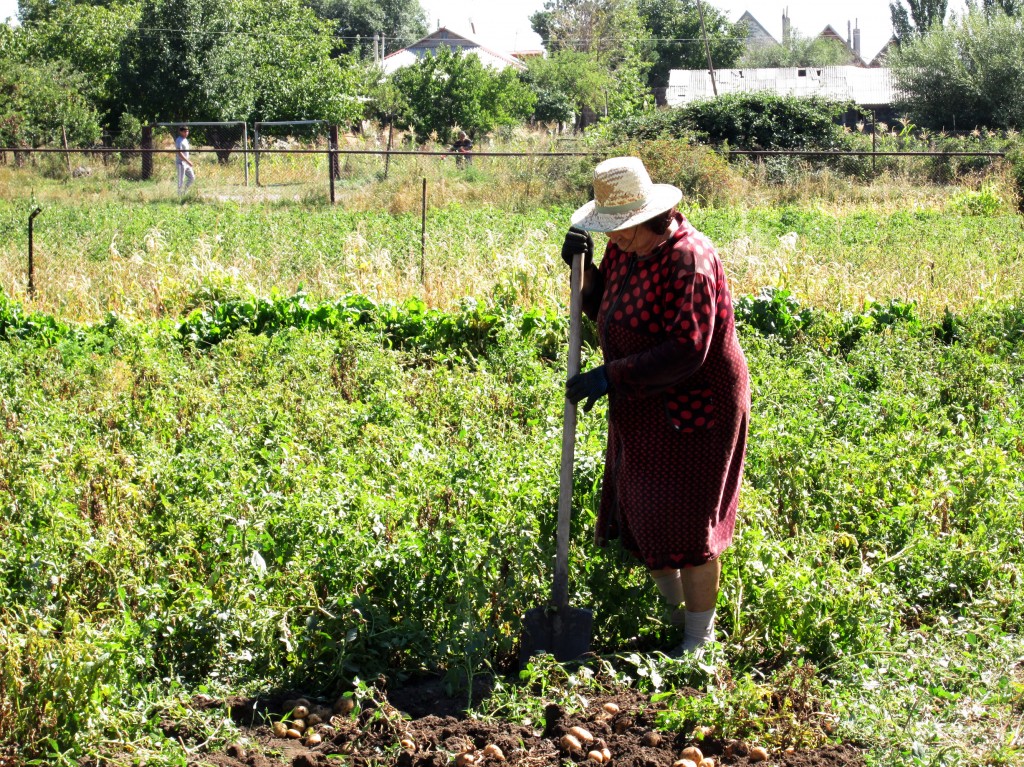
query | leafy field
[205, 493]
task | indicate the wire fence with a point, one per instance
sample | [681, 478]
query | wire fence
[305, 160]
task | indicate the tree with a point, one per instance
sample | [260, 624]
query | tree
[84, 38]
[1009, 7]
[450, 89]
[613, 32]
[799, 51]
[31, 11]
[677, 40]
[40, 104]
[923, 16]
[566, 83]
[357, 21]
[965, 75]
[236, 60]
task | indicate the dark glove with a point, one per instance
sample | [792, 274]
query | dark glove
[578, 241]
[591, 385]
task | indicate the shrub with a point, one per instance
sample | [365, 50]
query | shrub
[1016, 159]
[703, 174]
[745, 121]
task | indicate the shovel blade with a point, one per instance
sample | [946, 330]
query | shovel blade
[563, 632]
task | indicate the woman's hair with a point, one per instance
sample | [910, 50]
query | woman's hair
[659, 223]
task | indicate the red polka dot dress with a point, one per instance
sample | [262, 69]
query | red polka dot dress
[679, 402]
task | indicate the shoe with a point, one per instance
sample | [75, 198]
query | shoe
[677, 616]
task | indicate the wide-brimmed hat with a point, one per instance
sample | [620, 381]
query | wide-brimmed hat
[624, 197]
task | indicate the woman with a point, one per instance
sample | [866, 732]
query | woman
[677, 386]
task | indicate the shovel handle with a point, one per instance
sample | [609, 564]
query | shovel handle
[560, 590]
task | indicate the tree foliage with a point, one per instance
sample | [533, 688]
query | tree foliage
[236, 60]
[566, 83]
[614, 34]
[41, 103]
[798, 51]
[357, 21]
[450, 89]
[82, 37]
[676, 38]
[923, 16]
[965, 75]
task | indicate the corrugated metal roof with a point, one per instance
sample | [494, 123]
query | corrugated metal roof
[867, 87]
[444, 37]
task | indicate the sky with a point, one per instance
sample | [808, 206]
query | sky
[506, 25]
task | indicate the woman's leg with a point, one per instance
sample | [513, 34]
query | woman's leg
[700, 585]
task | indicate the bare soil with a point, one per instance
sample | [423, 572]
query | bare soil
[435, 732]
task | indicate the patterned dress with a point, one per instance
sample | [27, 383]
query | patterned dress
[679, 401]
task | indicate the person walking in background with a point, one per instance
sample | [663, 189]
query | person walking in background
[186, 171]
[677, 385]
[463, 145]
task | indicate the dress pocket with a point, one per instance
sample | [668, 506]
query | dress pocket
[690, 410]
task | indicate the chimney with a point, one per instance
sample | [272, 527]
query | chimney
[856, 38]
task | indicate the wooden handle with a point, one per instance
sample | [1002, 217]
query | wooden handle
[560, 591]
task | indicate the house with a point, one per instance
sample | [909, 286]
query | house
[871, 88]
[757, 35]
[444, 37]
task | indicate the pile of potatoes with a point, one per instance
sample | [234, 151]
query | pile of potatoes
[302, 718]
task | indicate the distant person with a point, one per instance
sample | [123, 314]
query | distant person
[463, 145]
[677, 385]
[186, 171]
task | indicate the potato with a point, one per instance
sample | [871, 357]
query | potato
[596, 756]
[344, 706]
[571, 743]
[611, 708]
[652, 739]
[408, 744]
[313, 719]
[293, 733]
[581, 733]
[303, 702]
[280, 729]
[491, 751]
[707, 761]
[758, 754]
[692, 753]
[622, 724]
[300, 712]
[313, 739]
[465, 759]
[683, 763]
[606, 753]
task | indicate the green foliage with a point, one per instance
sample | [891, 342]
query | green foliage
[566, 83]
[40, 102]
[677, 37]
[918, 18]
[251, 60]
[448, 89]
[984, 202]
[1016, 159]
[965, 75]
[87, 39]
[704, 175]
[745, 121]
[798, 51]
[357, 21]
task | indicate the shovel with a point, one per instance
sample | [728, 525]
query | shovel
[558, 629]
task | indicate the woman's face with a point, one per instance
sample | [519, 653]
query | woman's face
[626, 240]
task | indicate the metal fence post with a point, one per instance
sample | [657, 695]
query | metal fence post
[147, 156]
[423, 235]
[332, 158]
[245, 150]
[256, 149]
[335, 169]
[31, 262]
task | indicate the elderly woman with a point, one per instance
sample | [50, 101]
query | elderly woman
[677, 386]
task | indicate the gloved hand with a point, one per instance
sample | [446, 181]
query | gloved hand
[593, 385]
[578, 241]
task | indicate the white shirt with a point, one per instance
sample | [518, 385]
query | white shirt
[182, 145]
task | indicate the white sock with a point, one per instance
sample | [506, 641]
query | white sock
[670, 585]
[699, 629]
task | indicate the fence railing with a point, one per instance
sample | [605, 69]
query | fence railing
[305, 166]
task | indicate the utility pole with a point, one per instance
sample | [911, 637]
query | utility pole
[707, 47]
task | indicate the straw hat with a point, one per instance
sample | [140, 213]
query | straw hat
[624, 196]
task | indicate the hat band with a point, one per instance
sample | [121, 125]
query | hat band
[628, 207]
